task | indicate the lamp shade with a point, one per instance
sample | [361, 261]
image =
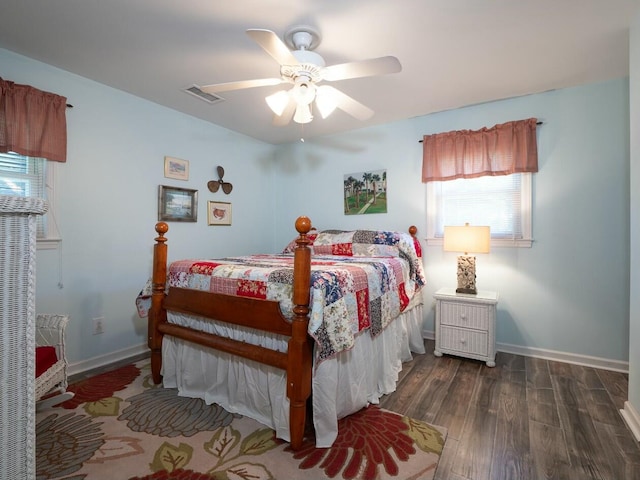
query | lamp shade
[278, 101]
[325, 101]
[303, 114]
[467, 239]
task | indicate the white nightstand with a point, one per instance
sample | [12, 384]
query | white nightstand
[466, 324]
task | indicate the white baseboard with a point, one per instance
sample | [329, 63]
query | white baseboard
[632, 419]
[577, 359]
[586, 360]
[595, 362]
[113, 357]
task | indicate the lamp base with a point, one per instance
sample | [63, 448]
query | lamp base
[467, 290]
[466, 275]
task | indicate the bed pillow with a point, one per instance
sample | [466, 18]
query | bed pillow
[333, 242]
[361, 243]
[368, 243]
[290, 248]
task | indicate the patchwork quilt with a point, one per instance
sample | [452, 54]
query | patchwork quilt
[360, 281]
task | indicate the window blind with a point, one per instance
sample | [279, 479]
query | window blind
[25, 177]
[493, 201]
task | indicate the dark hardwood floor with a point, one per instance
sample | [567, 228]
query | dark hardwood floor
[524, 419]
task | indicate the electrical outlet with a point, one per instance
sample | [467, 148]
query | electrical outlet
[98, 325]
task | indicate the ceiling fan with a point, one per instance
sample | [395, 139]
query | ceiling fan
[305, 69]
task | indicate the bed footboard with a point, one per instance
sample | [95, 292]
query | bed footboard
[260, 314]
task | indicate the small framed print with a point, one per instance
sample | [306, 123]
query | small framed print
[176, 168]
[219, 213]
[177, 204]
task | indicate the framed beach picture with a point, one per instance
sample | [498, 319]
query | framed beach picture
[176, 168]
[219, 213]
[177, 204]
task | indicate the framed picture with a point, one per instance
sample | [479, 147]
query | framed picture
[219, 213]
[176, 168]
[365, 192]
[177, 204]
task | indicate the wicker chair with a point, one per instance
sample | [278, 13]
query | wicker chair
[51, 383]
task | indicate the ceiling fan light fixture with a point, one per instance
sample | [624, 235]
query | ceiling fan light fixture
[278, 101]
[307, 57]
[325, 101]
[304, 91]
[303, 114]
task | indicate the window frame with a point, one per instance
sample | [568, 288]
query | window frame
[526, 201]
[51, 238]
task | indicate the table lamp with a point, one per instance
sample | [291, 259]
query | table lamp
[467, 239]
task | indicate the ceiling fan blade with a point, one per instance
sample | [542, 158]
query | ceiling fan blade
[272, 44]
[348, 104]
[287, 114]
[364, 68]
[225, 87]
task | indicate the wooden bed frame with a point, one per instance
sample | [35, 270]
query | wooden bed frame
[264, 315]
[260, 314]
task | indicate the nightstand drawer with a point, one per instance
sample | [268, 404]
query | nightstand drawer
[461, 315]
[464, 341]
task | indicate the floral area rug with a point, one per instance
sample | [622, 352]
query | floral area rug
[120, 425]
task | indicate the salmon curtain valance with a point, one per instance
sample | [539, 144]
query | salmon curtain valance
[32, 122]
[500, 150]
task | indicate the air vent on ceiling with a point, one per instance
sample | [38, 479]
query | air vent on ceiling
[207, 97]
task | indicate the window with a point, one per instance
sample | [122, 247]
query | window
[31, 177]
[502, 202]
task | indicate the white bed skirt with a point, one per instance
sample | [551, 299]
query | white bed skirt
[341, 385]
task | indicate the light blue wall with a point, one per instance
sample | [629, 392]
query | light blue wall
[569, 292]
[634, 262]
[107, 202]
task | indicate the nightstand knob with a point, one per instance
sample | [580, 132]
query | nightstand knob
[463, 317]
[463, 341]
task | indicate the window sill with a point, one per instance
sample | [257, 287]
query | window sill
[48, 243]
[495, 242]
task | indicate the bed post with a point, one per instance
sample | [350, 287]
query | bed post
[300, 348]
[413, 231]
[157, 313]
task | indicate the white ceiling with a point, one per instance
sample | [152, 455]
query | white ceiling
[453, 52]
